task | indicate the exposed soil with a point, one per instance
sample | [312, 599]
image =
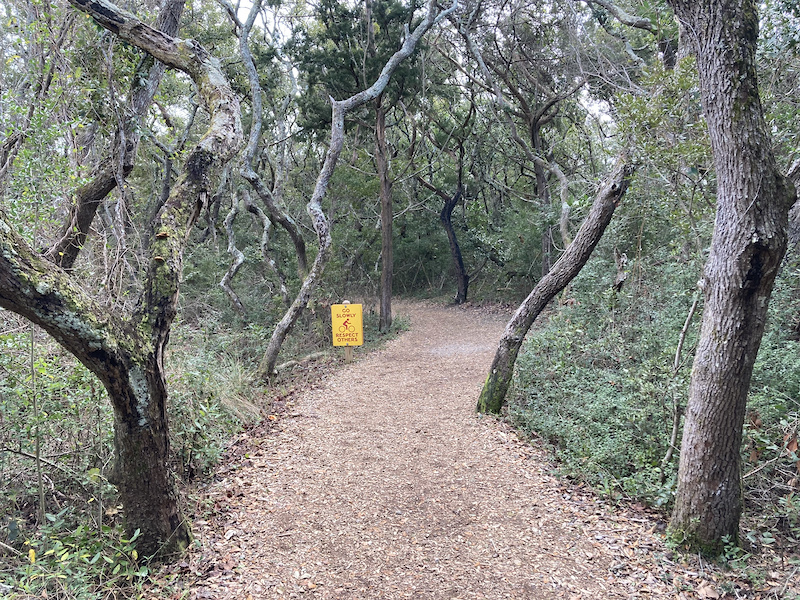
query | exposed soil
[381, 482]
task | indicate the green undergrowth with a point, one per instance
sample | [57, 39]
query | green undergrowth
[76, 547]
[596, 382]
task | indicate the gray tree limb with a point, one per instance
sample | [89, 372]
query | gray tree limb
[565, 269]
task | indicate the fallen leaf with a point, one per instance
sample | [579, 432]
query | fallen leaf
[705, 590]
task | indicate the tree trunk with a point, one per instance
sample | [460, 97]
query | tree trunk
[237, 260]
[128, 356]
[565, 269]
[543, 193]
[270, 197]
[794, 212]
[387, 265]
[130, 369]
[748, 244]
[446, 217]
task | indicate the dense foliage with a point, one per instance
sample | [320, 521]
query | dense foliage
[526, 139]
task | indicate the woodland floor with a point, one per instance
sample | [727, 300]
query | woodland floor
[381, 482]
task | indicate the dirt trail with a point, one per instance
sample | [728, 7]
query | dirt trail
[383, 483]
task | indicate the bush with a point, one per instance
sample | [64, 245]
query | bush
[596, 380]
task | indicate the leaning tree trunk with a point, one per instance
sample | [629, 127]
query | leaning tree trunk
[565, 269]
[387, 262]
[747, 247]
[130, 368]
[128, 356]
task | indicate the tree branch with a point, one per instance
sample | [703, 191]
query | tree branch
[624, 17]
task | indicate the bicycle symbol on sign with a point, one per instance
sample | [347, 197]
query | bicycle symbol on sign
[345, 326]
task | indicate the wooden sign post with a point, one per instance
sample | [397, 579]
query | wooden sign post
[348, 327]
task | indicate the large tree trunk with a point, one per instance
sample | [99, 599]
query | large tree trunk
[387, 264]
[748, 244]
[128, 357]
[130, 368]
[565, 269]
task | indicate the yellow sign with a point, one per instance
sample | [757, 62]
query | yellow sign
[348, 327]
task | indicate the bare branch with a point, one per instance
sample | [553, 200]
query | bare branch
[237, 261]
[624, 17]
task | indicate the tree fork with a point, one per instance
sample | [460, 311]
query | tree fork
[90, 196]
[565, 269]
[128, 357]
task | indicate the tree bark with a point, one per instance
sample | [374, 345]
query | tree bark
[266, 225]
[88, 197]
[794, 212]
[128, 357]
[126, 362]
[748, 244]
[387, 262]
[237, 260]
[543, 193]
[446, 217]
[565, 269]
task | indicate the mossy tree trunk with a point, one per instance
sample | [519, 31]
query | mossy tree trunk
[495, 388]
[127, 355]
[126, 360]
[748, 244]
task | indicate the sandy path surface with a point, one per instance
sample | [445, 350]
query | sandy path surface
[382, 482]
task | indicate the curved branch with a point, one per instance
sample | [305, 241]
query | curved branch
[218, 144]
[624, 17]
[270, 198]
[47, 296]
[266, 225]
[88, 197]
[236, 263]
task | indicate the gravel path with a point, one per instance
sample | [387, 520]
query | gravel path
[381, 482]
